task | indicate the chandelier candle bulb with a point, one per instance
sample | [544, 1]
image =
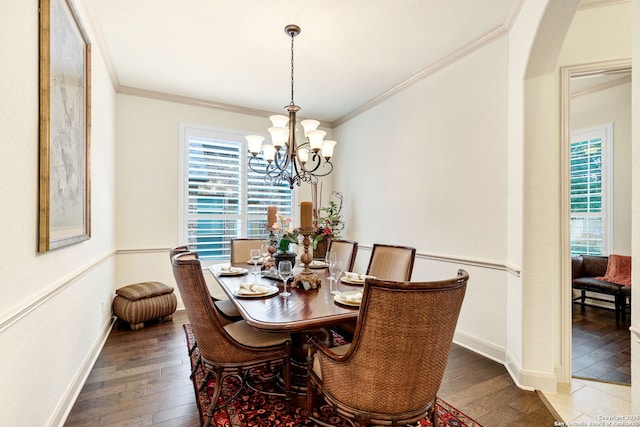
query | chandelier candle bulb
[327, 148]
[305, 215]
[255, 143]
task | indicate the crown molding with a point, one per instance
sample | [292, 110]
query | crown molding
[432, 69]
[602, 86]
[601, 3]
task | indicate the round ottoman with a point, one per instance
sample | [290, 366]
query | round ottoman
[141, 302]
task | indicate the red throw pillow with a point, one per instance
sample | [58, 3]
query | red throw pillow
[618, 270]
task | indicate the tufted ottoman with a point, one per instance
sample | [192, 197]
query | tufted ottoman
[141, 302]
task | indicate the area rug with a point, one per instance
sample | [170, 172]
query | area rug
[253, 409]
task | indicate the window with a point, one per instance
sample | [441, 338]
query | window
[221, 198]
[590, 190]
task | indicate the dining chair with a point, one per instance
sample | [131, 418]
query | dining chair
[224, 307]
[241, 249]
[391, 262]
[391, 372]
[387, 262]
[345, 250]
[231, 350]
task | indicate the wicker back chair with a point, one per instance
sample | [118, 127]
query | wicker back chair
[391, 372]
[226, 350]
[391, 262]
[225, 308]
[345, 250]
[241, 249]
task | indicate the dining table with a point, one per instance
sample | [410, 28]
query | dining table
[304, 312]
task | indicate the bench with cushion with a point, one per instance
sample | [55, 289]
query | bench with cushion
[592, 273]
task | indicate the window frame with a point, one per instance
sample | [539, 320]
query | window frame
[234, 136]
[605, 133]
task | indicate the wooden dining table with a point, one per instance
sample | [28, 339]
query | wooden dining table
[302, 313]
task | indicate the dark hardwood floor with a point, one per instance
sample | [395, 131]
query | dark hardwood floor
[601, 347]
[141, 378]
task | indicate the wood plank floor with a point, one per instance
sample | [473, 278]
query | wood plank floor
[141, 378]
[601, 347]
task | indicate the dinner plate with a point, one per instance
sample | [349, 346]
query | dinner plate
[341, 298]
[317, 264]
[235, 271]
[345, 279]
[270, 291]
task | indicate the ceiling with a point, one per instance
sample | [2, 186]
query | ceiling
[236, 52]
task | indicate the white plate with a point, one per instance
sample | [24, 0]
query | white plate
[345, 279]
[236, 271]
[316, 264]
[340, 298]
[270, 291]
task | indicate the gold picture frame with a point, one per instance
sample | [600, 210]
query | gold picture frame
[65, 112]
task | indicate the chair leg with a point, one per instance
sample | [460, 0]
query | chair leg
[214, 398]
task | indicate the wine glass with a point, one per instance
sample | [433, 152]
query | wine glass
[255, 257]
[285, 271]
[335, 270]
[330, 260]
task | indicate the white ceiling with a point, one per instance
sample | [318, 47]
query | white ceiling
[236, 52]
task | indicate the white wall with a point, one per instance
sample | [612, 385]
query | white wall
[428, 168]
[54, 307]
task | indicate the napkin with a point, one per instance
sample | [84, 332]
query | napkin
[316, 263]
[359, 277]
[355, 297]
[228, 269]
[252, 289]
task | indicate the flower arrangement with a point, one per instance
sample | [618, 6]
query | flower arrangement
[329, 223]
[284, 233]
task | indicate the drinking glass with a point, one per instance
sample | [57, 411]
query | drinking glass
[255, 257]
[336, 270]
[285, 271]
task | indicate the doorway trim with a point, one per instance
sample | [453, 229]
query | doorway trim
[566, 73]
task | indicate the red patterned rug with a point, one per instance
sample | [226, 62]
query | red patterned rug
[252, 409]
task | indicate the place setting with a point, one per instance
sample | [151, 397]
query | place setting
[355, 278]
[254, 290]
[228, 270]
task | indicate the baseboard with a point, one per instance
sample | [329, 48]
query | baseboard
[65, 405]
[526, 380]
[484, 348]
[530, 380]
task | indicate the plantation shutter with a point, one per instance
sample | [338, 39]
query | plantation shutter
[224, 198]
[588, 192]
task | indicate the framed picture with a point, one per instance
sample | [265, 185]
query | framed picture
[65, 111]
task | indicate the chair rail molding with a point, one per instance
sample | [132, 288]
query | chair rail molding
[19, 312]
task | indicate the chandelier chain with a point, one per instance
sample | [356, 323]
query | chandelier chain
[292, 36]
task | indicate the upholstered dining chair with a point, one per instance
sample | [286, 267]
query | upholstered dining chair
[391, 262]
[391, 372]
[345, 250]
[387, 262]
[225, 308]
[241, 249]
[226, 350]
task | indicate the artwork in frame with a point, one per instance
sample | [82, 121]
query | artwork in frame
[65, 111]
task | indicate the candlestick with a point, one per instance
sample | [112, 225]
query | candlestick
[307, 279]
[305, 215]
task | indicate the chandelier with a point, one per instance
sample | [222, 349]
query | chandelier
[287, 159]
